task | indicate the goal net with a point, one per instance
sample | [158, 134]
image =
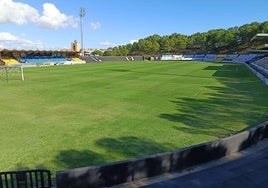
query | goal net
[14, 72]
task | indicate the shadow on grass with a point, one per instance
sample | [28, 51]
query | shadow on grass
[120, 70]
[239, 100]
[130, 147]
[126, 147]
[73, 159]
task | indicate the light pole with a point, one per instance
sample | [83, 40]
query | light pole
[82, 14]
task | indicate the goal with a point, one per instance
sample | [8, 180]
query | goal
[11, 72]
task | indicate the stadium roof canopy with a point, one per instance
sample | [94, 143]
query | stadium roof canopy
[21, 53]
[260, 36]
[15, 50]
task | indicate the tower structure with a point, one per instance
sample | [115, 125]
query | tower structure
[82, 14]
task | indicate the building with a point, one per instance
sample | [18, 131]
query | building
[75, 46]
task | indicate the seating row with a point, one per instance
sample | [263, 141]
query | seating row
[261, 65]
[9, 61]
[36, 61]
[236, 58]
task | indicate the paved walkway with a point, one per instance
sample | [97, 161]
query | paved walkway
[247, 169]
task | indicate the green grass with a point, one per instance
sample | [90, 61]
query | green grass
[64, 117]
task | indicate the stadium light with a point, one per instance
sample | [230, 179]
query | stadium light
[82, 14]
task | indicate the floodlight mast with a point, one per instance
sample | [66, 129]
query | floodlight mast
[82, 14]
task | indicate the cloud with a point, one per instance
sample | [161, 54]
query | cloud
[133, 41]
[4, 36]
[95, 25]
[17, 13]
[20, 13]
[9, 41]
[52, 18]
[107, 44]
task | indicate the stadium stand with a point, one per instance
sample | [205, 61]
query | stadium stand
[181, 57]
[167, 57]
[38, 58]
[220, 57]
[256, 58]
[78, 60]
[262, 66]
[91, 59]
[9, 61]
[130, 58]
[263, 62]
[50, 60]
[242, 58]
[187, 57]
[178, 57]
[199, 57]
[210, 57]
[95, 58]
[259, 64]
[230, 58]
[259, 67]
[121, 58]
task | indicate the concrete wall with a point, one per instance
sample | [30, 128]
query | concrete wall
[90, 59]
[154, 165]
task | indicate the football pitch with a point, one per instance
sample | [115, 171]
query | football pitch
[63, 117]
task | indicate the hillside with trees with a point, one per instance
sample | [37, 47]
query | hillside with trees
[232, 40]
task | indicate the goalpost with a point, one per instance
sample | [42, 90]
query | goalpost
[11, 72]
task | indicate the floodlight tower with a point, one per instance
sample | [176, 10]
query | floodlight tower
[82, 14]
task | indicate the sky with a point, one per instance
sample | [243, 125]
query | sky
[55, 24]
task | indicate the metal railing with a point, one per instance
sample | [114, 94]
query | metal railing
[26, 179]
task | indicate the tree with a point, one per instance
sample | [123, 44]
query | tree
[166, 44]
[230, 40]
[180, 42]
[109, 53]
[154, 38]
[248, 31]
[264, 27]
[97, 52]
[147, 46]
